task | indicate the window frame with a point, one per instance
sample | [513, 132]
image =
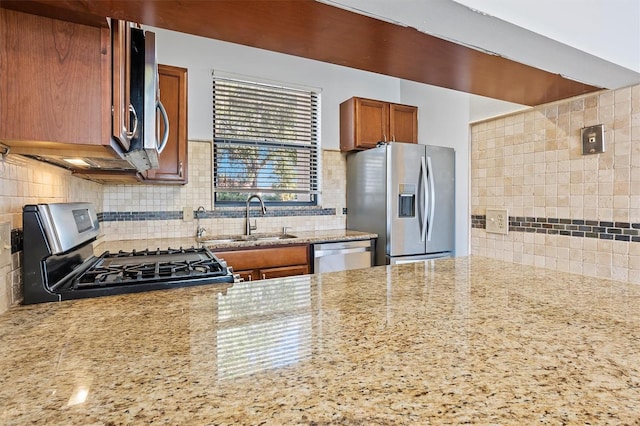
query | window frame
[312, 165]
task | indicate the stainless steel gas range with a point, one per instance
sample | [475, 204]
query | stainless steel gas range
[59, 262]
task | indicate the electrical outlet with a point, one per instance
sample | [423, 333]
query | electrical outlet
[5, 244]
[187, 214]
[497, 221]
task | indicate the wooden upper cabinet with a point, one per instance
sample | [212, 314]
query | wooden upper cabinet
[55, 89]
[403, 123]
[366, 122]
[370, 123]
[173, 95]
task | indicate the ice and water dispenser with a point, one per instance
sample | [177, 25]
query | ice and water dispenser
[407, 200]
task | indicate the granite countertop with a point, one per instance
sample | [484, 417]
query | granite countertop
[217, 242]
[462, 340]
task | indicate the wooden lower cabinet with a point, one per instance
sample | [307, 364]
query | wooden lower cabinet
[268, 262]
[284, 271]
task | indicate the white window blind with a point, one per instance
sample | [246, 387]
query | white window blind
[266, 141]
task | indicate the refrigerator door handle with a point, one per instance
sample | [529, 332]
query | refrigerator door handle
[425, 196]
[432, 193]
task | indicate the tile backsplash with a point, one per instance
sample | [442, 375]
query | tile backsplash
[25, 181]
[567, 211]
[170, 200]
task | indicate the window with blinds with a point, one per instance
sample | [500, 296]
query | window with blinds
[265, 141]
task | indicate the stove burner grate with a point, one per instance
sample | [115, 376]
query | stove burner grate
[127, 268]
[156, 252]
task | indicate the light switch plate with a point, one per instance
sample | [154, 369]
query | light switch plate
[497, 221]
[593, 139]
[5, 244]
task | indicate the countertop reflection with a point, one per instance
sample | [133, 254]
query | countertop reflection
[464, 340]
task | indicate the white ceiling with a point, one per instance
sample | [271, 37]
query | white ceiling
[609, 29]
[591, 41]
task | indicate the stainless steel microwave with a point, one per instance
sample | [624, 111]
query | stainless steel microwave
[146, 144]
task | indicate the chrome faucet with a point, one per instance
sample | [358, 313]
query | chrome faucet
[264, 211]
[200, 231]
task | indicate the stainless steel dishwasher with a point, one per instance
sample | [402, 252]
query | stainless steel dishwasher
[342, 256]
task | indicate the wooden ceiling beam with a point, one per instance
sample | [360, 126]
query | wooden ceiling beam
[318, 31]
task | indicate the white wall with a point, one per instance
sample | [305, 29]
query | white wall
[444, 115]
[201, 55]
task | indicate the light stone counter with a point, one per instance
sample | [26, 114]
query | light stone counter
[464, 340]
[301, 237]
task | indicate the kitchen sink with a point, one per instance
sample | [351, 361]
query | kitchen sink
[241, 238]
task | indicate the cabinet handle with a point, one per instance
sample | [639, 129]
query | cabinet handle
[132, 133]
[180, 170]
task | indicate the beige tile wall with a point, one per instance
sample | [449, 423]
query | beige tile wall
[121, 198]
[24, 181]
[531, 163]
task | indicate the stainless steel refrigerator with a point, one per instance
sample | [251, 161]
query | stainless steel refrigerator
[405, 193]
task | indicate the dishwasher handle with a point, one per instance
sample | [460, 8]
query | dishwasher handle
[320, 253]
[339, 247]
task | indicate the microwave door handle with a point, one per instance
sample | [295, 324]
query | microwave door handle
[165, 118]
[425, 195]
[132, 133]
[432, 193]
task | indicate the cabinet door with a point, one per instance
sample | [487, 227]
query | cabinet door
[363, 123]
[248, 275]
[271, 262]
[52, 84]
[173, 94]
[285, 271]
[403, 123]
[371, 123]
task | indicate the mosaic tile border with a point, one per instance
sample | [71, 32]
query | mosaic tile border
[138, 216]
[604, 230]
[221, 213]
[17, 234]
